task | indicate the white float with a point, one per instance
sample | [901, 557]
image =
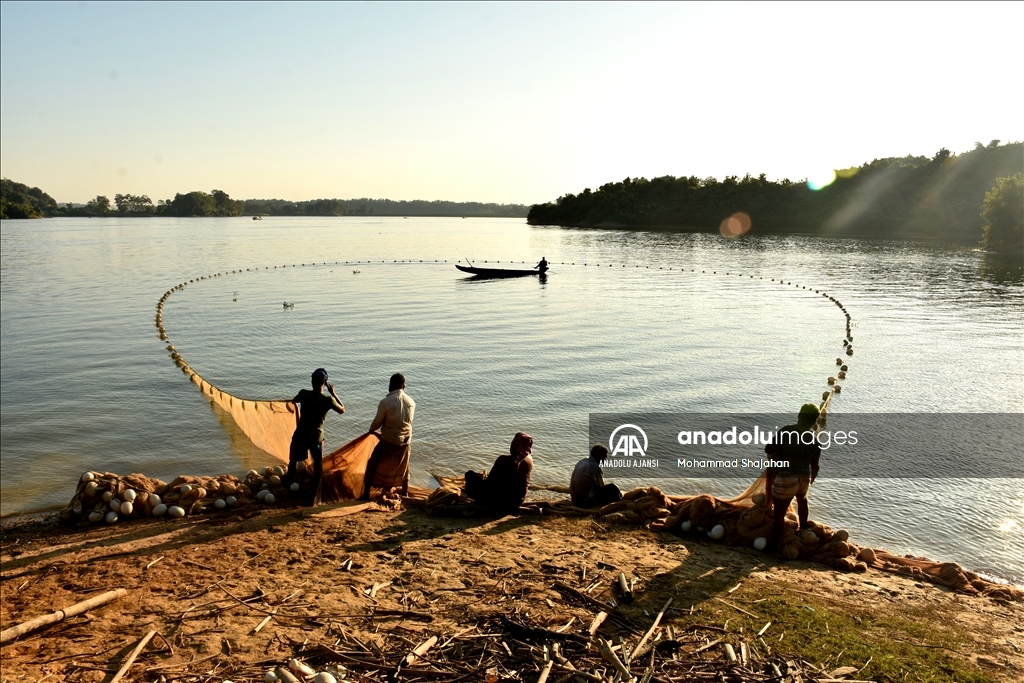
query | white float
[760, 543]
[717, 532]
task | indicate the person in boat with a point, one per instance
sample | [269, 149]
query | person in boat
[587, 487]
[504, 489]
[782, 484]
[543, 265]
[311, 408]
[388, 467]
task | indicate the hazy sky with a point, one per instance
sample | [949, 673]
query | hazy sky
[488, 102]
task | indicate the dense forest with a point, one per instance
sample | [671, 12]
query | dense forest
[21, 201]
[938, 197]
[381, 207]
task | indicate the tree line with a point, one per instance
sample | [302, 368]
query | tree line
[913, 196]
[22, 201]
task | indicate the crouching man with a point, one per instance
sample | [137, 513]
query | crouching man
[587, 486]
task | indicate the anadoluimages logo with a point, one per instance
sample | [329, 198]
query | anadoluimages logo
[628, 444]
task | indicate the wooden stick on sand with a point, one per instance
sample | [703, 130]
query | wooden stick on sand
[13, 632]
[131, 658]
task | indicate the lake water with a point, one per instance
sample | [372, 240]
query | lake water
[86, 383]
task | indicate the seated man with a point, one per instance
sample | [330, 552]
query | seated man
[587, 486]
[504, 489]
[792, 444]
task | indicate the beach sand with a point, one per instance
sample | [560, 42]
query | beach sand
[185, 580]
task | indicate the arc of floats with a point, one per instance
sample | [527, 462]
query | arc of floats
[268, 423]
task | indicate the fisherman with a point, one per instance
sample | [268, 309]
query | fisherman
[587, 487]
[782, 484]
[310, 410]
[504, 489]
[543, 265]
[388, 467]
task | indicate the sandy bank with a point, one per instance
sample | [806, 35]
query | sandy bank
[441, 576]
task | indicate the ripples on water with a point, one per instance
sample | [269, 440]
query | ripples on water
[86, 383]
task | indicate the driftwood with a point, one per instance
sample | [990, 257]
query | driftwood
[609, 655]
[131, 658]
[639, 649]
[596, 623]
[13, 632]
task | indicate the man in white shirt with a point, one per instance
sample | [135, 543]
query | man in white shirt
[388, 467]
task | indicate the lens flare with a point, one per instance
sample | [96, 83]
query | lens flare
[735, 225]
[821, 180]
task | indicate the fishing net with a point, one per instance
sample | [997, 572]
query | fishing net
[345, 471]
[268, 424]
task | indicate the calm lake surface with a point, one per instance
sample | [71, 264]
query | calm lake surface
[87, 384]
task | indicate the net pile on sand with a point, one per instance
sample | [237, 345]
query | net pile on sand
[108, 497]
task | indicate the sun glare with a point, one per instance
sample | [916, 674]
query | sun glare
[821, 180]
[735, 225]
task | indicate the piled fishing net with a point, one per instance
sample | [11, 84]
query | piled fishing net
[107, 497]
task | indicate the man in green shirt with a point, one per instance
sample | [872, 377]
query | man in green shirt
[311, 408]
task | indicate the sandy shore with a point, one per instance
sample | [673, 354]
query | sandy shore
[389, 580]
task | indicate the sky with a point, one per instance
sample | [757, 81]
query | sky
[493, 102]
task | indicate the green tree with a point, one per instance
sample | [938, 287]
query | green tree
[98, 207]
[1004, 217]
[131, 204]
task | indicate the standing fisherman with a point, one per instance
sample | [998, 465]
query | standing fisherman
[797, 444]
[310, 410]
[388, 467]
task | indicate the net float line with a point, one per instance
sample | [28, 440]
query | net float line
[269, 423]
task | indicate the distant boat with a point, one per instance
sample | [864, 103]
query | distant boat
[257, 218]
[498, 272]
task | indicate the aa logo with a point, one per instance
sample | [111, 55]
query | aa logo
[628, 444]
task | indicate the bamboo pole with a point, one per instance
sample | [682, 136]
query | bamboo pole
[78, 608]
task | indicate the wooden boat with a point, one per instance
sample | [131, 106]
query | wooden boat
[498, 272]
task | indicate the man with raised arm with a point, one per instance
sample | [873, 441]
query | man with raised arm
[311, 409]
[798, 445]
[388, 467]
